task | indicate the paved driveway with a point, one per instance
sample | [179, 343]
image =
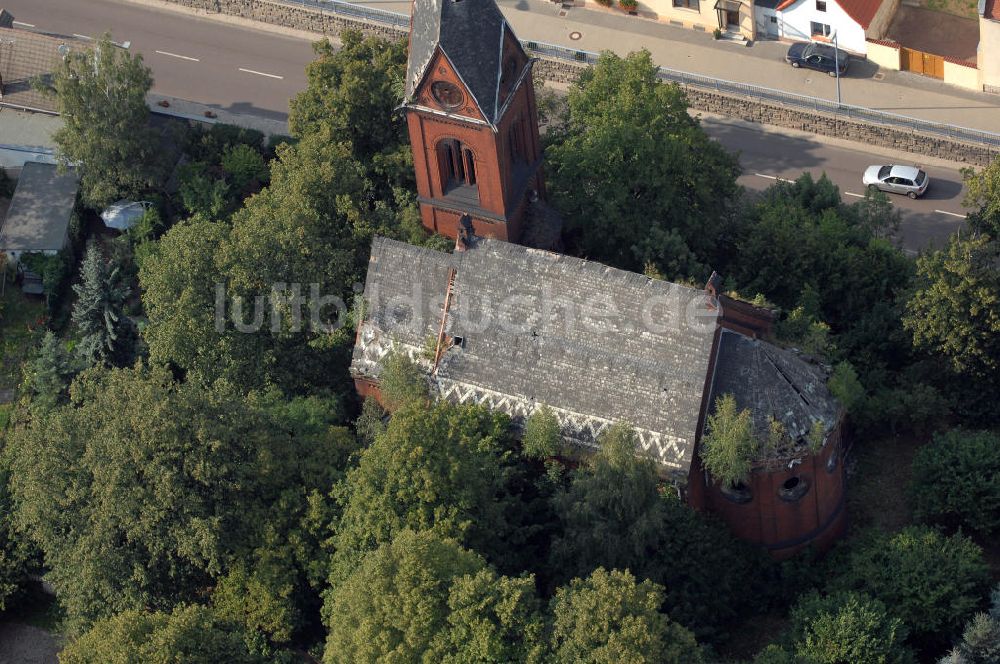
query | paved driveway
[935, 32]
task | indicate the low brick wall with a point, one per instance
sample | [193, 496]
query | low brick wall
[813, 122]
[558, 71]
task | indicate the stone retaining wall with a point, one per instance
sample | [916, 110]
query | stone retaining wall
[558, 71]
[810, 121]
[291, 16]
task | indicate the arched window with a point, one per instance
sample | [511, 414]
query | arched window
[458, 165]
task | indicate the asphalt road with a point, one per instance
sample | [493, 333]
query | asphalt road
[255, 72]
[767, 155]
[237, 69]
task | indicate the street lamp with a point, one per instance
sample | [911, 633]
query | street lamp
[836, 64]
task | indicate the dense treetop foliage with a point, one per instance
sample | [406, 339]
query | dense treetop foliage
[956, 480]
[637, 179]
[101, 95]
[213, 490]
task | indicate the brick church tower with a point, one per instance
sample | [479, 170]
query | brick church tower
[473, 122]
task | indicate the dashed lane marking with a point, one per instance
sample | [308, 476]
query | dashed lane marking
[175, 55]
[23, 24]
[773, 177]
[260, 73]
[851, 193]
[950, 214]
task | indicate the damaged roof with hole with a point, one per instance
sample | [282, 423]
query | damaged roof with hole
[773, 382]
[470, 33]
[527, 328]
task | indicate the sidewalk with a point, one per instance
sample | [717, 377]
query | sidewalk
[761, 64]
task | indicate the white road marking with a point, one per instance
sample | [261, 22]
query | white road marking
[260, 73]
[26, 25]
[773, 177]
[87, 37]
[950, 214]
[851, 193]
[174, 55]
[910, 252]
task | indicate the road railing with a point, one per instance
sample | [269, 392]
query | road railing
[722, 86]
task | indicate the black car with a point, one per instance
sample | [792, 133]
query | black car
[817, 56]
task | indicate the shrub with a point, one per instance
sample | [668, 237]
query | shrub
[629, 5]
[729, 447]
[542, 434]
[847, 627]
[932, 582]
[980, 642]
[244, 165]
[956, 480]
[401, 382]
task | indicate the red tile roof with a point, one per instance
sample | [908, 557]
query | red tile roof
[862, 11]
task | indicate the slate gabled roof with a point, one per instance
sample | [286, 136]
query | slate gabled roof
[470, 33]
[527, 332]
[592, 373]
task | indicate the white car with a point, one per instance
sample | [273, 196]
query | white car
[908, 180]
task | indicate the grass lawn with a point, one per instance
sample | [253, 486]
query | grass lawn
[21, 327]
[965, 8]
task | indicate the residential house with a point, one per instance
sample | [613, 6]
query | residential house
[25, 56]
[989, 45]
[735, 17]
[852, 22]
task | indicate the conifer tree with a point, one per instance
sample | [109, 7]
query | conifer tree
[105, 331]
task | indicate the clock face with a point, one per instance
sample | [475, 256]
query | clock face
[447, 94]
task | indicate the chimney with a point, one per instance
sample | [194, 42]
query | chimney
[714, 285]
[6, 19]
[466, 234]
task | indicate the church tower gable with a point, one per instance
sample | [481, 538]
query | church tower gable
[472, 119]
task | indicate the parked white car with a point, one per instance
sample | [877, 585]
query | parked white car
[908, 180]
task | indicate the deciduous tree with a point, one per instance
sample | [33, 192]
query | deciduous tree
[636, 178]
[101, 93]
[610, 617]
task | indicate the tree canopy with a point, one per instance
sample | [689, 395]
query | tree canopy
[142, 490]
[636, 178]
[610, 617]
[101, 93]
[422, 598]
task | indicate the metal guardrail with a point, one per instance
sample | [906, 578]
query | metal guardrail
[360, 12]
[760, 93]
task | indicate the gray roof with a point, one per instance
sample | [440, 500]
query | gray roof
[595, 344]
[26, 55]
[773, 382]
[471, 35]
[39, 213]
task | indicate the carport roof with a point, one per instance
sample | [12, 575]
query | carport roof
[40, 210]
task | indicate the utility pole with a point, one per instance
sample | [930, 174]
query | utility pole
[836, 65]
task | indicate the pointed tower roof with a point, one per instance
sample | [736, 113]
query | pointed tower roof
[470, 33]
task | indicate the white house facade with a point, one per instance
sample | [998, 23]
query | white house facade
[851, 22]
